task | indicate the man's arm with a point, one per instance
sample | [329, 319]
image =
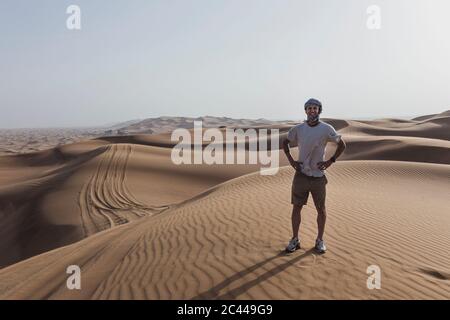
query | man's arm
[294, 164]
[323, 165]
[340, 148]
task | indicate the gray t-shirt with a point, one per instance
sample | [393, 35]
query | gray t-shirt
[311, 142]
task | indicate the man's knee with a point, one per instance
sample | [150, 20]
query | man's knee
[297, 208]
[321, 210]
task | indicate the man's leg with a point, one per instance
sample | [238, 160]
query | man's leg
[299, 197]
[296, 219]
[318, 193]
[321, 219]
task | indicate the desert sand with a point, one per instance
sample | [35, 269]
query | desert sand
[141, 227]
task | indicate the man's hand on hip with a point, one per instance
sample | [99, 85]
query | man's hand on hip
[323, 165]
[296, 165]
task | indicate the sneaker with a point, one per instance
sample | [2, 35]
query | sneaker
[320, 246]
[293, 245]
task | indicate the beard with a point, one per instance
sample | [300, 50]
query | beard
[312, 118]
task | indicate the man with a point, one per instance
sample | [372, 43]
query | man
[311, 138]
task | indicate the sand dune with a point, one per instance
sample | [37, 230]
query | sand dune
[431, 116]
[227, 243]
[435, 128]
[56, 197]
[397, 148]
[14, 141]
[141, 227]
[168, 124]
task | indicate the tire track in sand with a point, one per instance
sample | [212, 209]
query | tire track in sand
[105, 200]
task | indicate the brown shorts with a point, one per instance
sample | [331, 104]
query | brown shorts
[303, 185]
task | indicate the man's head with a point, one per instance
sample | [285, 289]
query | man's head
[313, 108]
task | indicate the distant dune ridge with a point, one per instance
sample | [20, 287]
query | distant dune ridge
[141, 227]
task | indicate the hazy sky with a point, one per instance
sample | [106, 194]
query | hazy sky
[236, 58]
